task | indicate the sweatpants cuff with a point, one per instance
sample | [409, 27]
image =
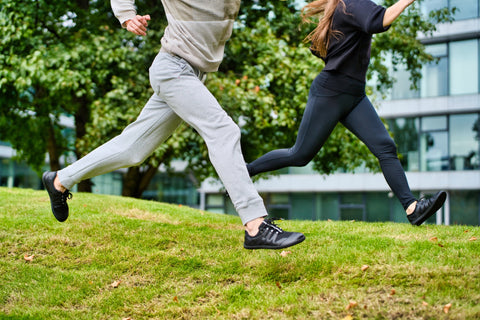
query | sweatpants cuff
[251, 211]
[66, 182]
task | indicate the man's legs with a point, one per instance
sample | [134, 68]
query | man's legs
[186, 94]
[179, 93]
[153, 126]
[180, 85]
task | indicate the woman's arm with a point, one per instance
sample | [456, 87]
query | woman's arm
[394, 11]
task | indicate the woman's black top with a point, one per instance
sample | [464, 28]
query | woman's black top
[349, 53]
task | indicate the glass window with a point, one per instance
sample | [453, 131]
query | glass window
[430, 5]
[378, 206]
[434, 151]
[17, 174]
[464, 67]
[464, 207]
[109, 183]
[406, 133]
[279, 198]
[351, 213]
[215, 200]
[434, 144]
[278, 205]
[229, 207]
[434, 123]
[464, 142]
[327, 205]
[304, 206]
[466, 9]
[6, 172]
[434, 81]
[352, 207]
[352, 198]
[401, 89]
[281, 213]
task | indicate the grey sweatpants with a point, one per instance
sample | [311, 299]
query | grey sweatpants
[179, 93]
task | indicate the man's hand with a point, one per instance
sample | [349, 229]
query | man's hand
[138, 25]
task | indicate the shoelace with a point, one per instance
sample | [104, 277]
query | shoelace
[272, 226]
[66, 196]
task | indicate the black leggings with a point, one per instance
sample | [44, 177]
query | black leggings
[325, 108]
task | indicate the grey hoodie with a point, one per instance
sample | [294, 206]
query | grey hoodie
[197, 29]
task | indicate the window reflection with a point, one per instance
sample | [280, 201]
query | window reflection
[430, 5]
[434, 151]
[465, 9]
[434, 75]
[464, 67]
[464, 142]
[405, 134]
[434, 144]
[434, 123]
[402, 87]
[438, 143]
[456, 71]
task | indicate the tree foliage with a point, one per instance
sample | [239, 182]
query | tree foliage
[71, 58]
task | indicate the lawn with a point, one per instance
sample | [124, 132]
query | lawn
[123, 258]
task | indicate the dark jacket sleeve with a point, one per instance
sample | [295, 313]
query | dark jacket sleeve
[367, 16]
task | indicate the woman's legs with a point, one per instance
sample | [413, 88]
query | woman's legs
[364, 122]
[323, 110]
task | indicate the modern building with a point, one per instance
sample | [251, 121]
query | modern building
[436, 128]
[437, 131]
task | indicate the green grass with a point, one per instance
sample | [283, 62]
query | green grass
[175, 262]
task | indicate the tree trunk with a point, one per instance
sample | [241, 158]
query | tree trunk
[136, 182]
[52, 149]
[146, 177]
[82, 116]
[130, 182]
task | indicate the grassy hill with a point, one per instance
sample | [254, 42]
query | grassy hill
[122, 258]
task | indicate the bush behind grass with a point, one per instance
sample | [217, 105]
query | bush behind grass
[118, 258]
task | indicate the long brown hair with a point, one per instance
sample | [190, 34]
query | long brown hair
[320, 36]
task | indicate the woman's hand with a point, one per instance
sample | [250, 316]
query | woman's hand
[138, 25]
[394, 11]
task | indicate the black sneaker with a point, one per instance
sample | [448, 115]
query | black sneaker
[426, 208]
[58, 199]
[271, 236]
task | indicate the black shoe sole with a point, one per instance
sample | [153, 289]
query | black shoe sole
[442, 196]
[299, 240]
